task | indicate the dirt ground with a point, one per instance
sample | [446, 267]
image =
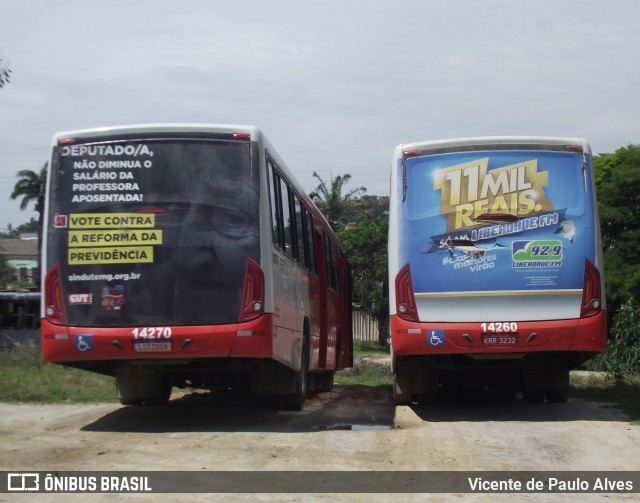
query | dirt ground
[346, 429]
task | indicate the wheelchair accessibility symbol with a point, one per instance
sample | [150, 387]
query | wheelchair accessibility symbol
[436, 337]
[84, 343]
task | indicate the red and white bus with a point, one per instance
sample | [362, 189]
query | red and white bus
[187, 255]
[495, 258]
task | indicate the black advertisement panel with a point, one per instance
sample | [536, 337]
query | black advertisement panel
[153, 232]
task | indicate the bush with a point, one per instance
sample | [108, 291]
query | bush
[622, 357]
[369, 347]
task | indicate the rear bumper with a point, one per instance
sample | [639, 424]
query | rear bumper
[579, 335]
[84, 344]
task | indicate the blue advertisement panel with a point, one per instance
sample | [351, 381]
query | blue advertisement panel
[495, 221]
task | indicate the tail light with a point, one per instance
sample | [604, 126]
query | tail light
[591, 292]
[253, 295]
[53, 304]
[405, 300]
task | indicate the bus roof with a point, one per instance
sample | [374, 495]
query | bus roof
[487, 141]
[157, 127]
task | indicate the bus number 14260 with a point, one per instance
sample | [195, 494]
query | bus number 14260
[499, 328]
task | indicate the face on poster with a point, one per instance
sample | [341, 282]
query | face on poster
[154, 231]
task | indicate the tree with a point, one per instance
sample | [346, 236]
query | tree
[14, 232]
[365, 244]
[618, 187]
[336, 207]
[31, 187]
[622, 357]
[5, 273]
[5, 74]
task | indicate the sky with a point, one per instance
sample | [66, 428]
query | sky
[335, 85]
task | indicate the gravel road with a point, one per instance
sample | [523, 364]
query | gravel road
[346, 429]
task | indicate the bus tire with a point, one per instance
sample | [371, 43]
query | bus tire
[324, 381]
[130, 401]
[163, 397]
[534, 385]
[559, 392]
[401, 390]
[296, 399]
[429, 387]
[143, 389]
[429, 396]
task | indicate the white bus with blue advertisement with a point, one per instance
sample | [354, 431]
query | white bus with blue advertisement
[495, 266]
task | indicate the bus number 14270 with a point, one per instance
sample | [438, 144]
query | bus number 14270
[151, 333]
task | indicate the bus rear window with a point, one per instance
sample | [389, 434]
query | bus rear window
[147, 232]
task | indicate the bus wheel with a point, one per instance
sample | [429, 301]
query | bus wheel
[129, 400]
[324, 381]
[143, 389]
[534, 385]
[559, 392]
[429, 396]
[164, 394]
[429, 387]
[421, 386]
[295, 400]
[401, 390]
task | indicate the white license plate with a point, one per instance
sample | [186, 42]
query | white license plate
[151, 346]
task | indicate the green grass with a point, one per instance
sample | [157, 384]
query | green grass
[597, 387]
[368, 367]
[369, 347]
[26, 378]
[365, 372]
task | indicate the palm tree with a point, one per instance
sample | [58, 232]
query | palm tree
[5, 74]
[329, 199]
[32, 186]
[5, 273]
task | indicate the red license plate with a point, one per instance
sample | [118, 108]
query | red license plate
[509, 339]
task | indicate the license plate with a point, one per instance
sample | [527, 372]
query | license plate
[151, 346]
[499, 339]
